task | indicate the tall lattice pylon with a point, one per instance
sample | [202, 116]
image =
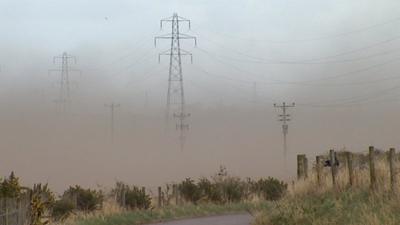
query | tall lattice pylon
[64, 71]
[176, 94]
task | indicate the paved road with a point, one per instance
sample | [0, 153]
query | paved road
[244, 219]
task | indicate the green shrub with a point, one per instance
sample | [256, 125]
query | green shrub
[137, 199]
[86, 199]
[209, 190]
[131, 196]
[232, 189]
[189, 190]
[271, 188]
[224, 188]
[42, 200]
[10, 187]
[62, 209]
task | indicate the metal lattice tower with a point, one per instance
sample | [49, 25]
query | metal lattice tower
[175, 94]
[284, 118]
[64, 93]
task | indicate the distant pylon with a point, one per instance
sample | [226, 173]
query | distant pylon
[112, 107]
[175, 93]
[64, 93]
[284, 118]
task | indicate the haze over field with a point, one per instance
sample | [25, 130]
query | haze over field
[337, 59]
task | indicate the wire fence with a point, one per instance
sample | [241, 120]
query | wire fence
[15, 211]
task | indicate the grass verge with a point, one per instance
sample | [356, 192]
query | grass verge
[309, 202]
[350, 207]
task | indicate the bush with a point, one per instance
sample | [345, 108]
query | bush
[131, 196]
[42, 200]
[209, 190]
[189, 190]
[10, 187]
[271, 188]
[232, 189]
[86, 199]
[62, 209]
[224, 188]
[137, 199]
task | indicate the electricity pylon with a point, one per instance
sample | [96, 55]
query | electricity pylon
[175, 94]
[64, 93]
[284, 118]
[112, 107]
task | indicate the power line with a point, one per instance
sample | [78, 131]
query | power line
[353, 100]
[310, 61]
[307, 62]
[320, 38]
[146, 75]
[344, 102]
[311, 82]
[138, 45]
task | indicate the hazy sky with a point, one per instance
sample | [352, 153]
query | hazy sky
[337, 59]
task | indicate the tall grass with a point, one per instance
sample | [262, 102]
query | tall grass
[310, 203]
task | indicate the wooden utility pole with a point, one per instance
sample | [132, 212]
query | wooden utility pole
[112, 107]
[284, 118]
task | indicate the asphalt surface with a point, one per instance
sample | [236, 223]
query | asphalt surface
[243, 219]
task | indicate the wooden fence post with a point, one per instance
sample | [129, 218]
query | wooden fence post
[19, 208]
[159, 197]
[300, 167]
[176, 193]
[144, 190]
[393, 181]
[305, 167]
[349, 157]
[372, 167]
[123, 198]
[318, 169]
[6, 210]
[332, 158]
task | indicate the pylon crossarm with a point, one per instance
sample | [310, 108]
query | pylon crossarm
[165, 36]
